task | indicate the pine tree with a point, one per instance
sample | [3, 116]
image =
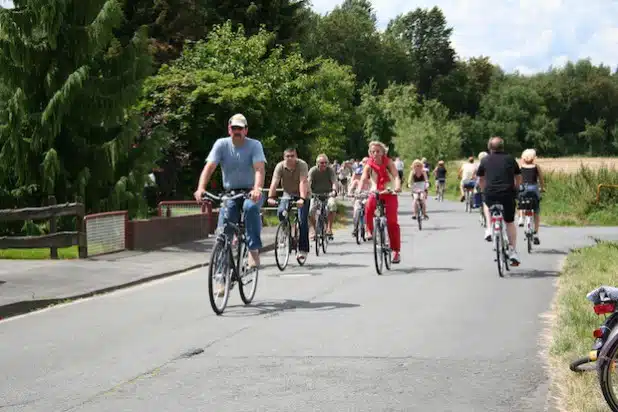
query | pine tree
[69, 125]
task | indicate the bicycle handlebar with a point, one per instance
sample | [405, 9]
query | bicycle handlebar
[228, 195]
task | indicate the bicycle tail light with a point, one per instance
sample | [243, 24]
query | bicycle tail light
[597, 333]
[604, 308]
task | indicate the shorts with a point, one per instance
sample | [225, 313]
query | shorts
[331, 205]
[468, 183]
[506, 200]
[343, 181]
[531, 192]
[400, 173]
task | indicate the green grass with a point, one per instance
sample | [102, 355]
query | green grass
[571, 337]
[63, 253]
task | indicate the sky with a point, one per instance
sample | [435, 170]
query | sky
[524, 35]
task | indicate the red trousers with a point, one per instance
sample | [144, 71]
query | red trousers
[391, 204]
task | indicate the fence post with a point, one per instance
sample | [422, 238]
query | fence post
[53, 227]
[80, 225]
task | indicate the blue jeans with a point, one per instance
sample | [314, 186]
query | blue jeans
[303, 220]
[533, 191]
[253, 223]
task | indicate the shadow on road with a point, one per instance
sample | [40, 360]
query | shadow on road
[334, 265]
[534, 273]
[552, 251]
[2, 282]
[410, 270]
[275, 307]
[430, 228]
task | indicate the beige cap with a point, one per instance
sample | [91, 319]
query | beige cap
[238, 120]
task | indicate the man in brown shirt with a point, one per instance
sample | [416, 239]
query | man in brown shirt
[292, 173]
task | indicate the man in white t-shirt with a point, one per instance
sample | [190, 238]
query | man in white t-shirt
[399, 166]
[467, 174]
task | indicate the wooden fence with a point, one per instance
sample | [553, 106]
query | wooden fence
[54, 239]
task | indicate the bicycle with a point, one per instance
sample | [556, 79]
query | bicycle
[321, 221]
[602, 305]
[469, 199]
[528, 205]
[287, 235]
[359, 218]
[482, 217]
[381, 243]
[223, 264]
[501, 242]
[440, 185]
[418, 189]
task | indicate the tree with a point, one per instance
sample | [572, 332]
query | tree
[68, 126]
[427, 38]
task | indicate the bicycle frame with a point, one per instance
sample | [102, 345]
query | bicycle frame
[500, 237]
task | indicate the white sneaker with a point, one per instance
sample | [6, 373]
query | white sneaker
[514, 257]
[488, 234]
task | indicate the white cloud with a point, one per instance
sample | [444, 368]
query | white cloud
[527, 35]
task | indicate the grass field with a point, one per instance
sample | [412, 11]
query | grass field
[573, 323]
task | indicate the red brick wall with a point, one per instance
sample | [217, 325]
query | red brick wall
[159, 232]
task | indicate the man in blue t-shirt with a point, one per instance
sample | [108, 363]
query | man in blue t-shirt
[242, 161]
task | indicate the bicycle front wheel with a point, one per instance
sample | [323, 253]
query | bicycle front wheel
[419, 215]
[325, 238]
[357, 227]
[378, 255]
[247, 278]
[318, 233]
[282, 245]
[219, 277]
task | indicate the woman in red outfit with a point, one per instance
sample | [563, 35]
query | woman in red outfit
[381, 170]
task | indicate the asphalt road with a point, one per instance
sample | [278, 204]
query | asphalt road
[441, 332]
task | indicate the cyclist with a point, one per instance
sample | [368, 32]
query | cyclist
[380, 170]
[467, 174]
[418, 180]
[480, 157]
[534, 184]
[242, 162]
[400, 167]
[322, 180]
[426, 168]
[293, 174]
[343, 175]
[356, 176]
[500, 175]
[440, 174]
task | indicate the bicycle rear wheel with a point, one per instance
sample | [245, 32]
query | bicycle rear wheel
[378, 255]
[606, 370]
[499, 255]
[529, 233]
[282, 245]
[357, 227]
[219, 277]
[247, 278]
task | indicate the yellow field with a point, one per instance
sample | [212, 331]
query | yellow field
[572, 164]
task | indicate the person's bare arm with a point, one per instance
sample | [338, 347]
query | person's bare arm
[260, 173]
[541, 178]
[274, 183]
[206, 174]
[393, 170]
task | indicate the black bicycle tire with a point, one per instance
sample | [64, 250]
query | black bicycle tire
[499, 256]
[246, 298]
[378, 256]
[357, 228]
[218, 249]
[419, 214]
[575, 366]
[325, 239]
[604, 363]
[387, 251]
[280, 227]
[297, 243]
[363, 230]
[505, 255]
[317, 237]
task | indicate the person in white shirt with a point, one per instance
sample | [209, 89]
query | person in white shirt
[467, 174]
[399, 166]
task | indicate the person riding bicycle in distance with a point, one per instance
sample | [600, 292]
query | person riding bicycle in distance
[322, 180]
[440, 174]
[381, 171]
[534, 184]
[417, 181]
[500, 179]
[242, 162]
[293, 172]
[467, 173]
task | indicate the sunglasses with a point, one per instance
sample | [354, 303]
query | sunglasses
[237, 128]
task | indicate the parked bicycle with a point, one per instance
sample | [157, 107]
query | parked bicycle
[602, 305]
[227, 268]
[501, 241]
[382, 251]
[321, 221]
[288, 234]
[359, 218]
[528, 204]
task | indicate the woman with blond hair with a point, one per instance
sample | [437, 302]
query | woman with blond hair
[534, 184]
[380, 170]
[417, 181]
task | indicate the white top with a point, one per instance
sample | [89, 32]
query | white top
[399, 164]
[467, 171]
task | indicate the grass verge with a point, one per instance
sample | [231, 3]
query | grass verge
[573, 323]
[43, 253]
